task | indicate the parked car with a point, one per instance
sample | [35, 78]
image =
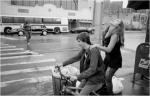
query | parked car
[10, 30]
[35, 28]
[82, 29]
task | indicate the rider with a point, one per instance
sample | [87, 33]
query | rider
[91, 65]
[113, 41]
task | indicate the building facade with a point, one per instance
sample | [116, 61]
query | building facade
[77, 12]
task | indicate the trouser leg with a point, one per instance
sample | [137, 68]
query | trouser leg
[28, 37]
[108, 76]
[87, 89]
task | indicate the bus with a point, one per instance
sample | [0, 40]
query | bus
[55, 19]
[12, 23]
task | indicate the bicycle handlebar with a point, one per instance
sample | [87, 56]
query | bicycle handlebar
[62, 75]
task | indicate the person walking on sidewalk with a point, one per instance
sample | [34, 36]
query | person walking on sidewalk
[113, 40]
[92, 71]
[27, 32]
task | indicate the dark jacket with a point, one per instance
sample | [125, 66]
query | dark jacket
[91, 65]
[27, 27]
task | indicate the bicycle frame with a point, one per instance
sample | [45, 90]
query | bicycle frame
[68, 86]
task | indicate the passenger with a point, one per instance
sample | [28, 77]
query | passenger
[91, 65]
[113, 40]
[27, 32]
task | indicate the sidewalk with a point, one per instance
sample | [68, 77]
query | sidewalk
[140, 87]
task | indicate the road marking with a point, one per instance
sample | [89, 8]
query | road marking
[15, 57]
[26, 70]
[7, 47]
[24, 63]
[10, 38]
[27, 80]
[3, 44]
[16, 49]
[18, 53]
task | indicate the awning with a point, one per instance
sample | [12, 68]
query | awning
[138, 4]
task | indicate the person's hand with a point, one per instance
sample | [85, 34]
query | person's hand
[73, 78]
[59, 65]
[93, 46]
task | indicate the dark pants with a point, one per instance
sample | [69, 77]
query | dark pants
[87, 89]
[108, 76]
[28, 36]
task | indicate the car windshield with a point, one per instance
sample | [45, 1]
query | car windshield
[35, 27]
[80, 28]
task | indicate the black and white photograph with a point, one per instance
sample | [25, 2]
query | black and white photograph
[74, 47]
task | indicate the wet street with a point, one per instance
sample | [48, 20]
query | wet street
[26, 69]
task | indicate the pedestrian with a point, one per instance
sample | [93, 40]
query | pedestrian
[91, 65]
[113, 40]
[27, 32]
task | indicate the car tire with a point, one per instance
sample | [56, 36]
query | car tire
[7, 30]
[20, 33]
[57, 30]
[44, 33]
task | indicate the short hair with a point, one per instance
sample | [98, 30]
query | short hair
[84, 37]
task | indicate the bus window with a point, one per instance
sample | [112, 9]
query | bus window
[52, 20]
[30, 20]
[46, 20]
[19, 20]
[6, 19]
[37, 20]
[56, 21]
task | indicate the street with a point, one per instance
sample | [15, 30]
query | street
[26, 69]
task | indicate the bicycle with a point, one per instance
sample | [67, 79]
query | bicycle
[68, 87]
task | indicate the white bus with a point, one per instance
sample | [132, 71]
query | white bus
[56, 19]
[11, 24]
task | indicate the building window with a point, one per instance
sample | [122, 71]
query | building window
[66, 4]
[32, 3]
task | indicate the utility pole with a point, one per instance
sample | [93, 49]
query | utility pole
[97, 20]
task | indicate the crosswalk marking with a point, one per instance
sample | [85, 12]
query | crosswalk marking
[24, 63]
[11, 52]
[3, 37]
[15, 57]
[17, 53]
[27, 80]
[3, 44]
[3, 47]
[26, 70]
[16, 49]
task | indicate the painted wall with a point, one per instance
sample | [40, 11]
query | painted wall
[48, 10]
